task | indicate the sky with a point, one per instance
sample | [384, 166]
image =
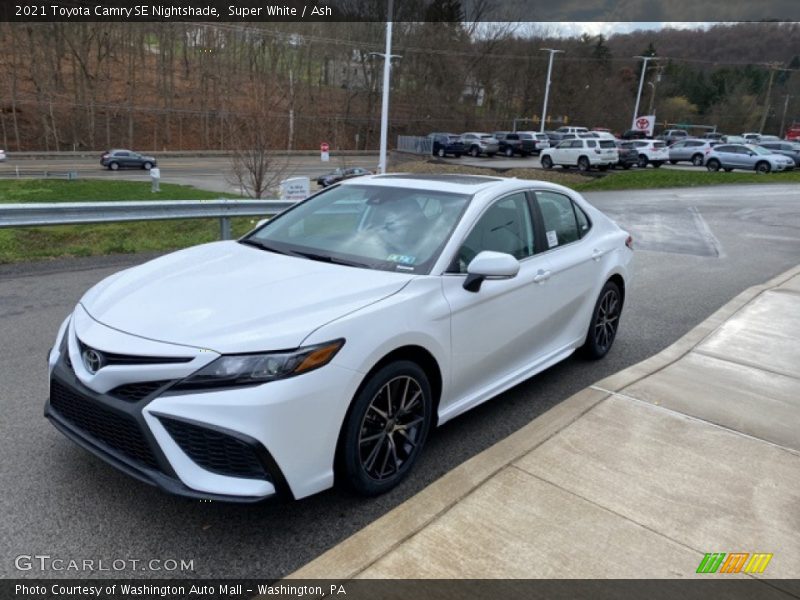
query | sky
[608, 28]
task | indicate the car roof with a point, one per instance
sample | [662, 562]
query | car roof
[452, 182]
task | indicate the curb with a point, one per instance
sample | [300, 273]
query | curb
[355, 554]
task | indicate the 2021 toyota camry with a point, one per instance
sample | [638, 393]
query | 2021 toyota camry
[329, 341]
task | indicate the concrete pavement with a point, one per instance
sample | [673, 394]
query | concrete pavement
[694, 450]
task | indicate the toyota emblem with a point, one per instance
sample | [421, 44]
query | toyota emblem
[92, 360]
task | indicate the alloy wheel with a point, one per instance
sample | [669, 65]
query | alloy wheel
[392, 428]
[605, 325]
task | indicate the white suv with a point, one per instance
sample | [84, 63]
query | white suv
[581, 153]
[654, 152]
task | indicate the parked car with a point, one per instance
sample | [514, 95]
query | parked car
[628, 154]
[341, 174]
[2, 156]
[793, 132]
[477, 143]
[571, 129]
[651, 152]
[670, 136]
[751, 137]
[790, 149]
[693, 151]
[769, 138]
[581, 153]
[733, 139]
[634, 134]
[533, 142]
[747, 156]
[509, 143]
[602, 135]
[714, 137]
[126, 159]
[447, 143]
[299, 356]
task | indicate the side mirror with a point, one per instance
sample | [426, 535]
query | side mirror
[490, 265]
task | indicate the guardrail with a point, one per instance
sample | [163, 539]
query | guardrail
[414, 144]
[73, 213]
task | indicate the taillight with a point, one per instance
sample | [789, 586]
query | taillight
[629, 242]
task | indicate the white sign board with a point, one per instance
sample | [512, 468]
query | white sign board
[295, 189]
[324, 156]
[645, 123]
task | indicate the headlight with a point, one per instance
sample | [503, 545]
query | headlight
[252, 369]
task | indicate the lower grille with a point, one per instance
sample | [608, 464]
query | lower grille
[116, 430]
[133, 392]
[215, 451]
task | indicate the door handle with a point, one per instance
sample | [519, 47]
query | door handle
[597, 254]
[541, 276]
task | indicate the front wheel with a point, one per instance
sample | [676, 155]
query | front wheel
[113, 166]
[441, 153]
[547, 162]
[643, 161]
[509, 152]
[147, 165]
[605, 322]
[763, 167]
[386, 428]
[475, 152]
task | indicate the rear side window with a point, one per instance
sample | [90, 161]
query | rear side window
[563, 222]
[607, 144]
[659, 145]
[591, 143]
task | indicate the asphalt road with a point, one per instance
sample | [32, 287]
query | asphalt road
[696, 248]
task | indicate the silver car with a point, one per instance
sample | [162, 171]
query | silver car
[477, 143]
[693, 151]
[748, 157]
[790, 149]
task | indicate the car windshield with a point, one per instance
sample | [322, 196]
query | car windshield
[376, 227]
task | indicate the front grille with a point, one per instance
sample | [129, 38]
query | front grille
[133, 392]
[111, 358]
[214, 450]
[119, 431]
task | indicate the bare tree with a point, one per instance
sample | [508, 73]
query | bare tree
[256, 167]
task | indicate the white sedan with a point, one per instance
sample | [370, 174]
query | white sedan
[326, 343]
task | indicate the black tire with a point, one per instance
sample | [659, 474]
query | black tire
[509, 152]
[583, 164]
[441, 153]
[697, 160]
[657, 163]
[113, 166]
[673, 162]
[147, 165]
[605, 322]
[643, 161]
[475, 152]
[713, 165]
[547, 162]
[763, 167]
[398, 432]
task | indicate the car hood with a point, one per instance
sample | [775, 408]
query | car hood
[229, 297]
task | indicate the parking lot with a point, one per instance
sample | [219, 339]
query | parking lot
[695, 249]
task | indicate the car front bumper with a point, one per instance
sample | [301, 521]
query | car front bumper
[236, 444]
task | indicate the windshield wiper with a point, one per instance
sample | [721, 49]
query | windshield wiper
[263, 246]
[330, 259]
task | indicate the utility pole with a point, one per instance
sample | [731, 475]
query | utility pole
[772, 68]
[783, 118]
[387, 67]
[646, 59]
[547, 84]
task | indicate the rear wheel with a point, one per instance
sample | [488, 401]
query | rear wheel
[697, 160]
[763, 167]
[475, 152]
[547, 162]
[642, 161]
[386, 428]
[583, 164]
[605, 322]
[509, 152]
[713, 165]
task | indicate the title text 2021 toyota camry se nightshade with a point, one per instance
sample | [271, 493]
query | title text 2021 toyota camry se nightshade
[330, 340]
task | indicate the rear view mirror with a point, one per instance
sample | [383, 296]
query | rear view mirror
[490, 265]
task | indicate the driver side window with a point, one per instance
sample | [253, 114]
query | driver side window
[505, 227]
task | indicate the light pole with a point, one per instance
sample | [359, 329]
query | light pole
[783, 118]
[646, 59]
[652, 96]
[547, 84]
[387, 67]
